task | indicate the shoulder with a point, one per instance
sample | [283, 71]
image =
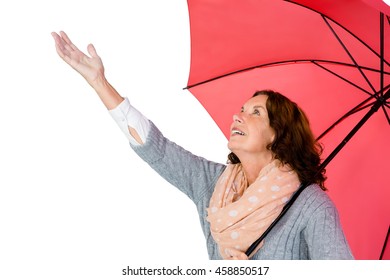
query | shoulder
[311, 203]
[314, 196]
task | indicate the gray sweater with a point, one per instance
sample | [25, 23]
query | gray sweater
[310, 229]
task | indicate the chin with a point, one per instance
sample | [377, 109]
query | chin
[232, 147]
[229, 145]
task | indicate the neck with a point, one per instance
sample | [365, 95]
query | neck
[252, 166]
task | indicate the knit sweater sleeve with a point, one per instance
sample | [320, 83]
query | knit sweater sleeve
[191, 174]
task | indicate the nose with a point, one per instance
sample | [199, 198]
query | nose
[237, 118]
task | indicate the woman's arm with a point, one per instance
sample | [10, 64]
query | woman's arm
[191, 174]
[92, 69]
[324, 235]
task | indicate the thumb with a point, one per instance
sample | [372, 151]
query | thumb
[236, 254]
[240, 256]
[92, 51]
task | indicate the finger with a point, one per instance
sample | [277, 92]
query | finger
[62, 54]
[60, 44]
[61, 50]
[57, 39]
[66, 39]
[92, 51]
[55, 36]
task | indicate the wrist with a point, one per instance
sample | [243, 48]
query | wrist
[99, 84]
[110, 97]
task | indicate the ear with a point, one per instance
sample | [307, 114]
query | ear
[273, 136]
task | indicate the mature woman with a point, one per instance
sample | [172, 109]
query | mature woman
[272, 152]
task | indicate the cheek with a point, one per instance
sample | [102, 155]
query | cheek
[266, 134]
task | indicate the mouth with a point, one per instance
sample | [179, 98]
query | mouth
[236, 131]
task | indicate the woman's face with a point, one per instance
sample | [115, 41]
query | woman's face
[250, 132]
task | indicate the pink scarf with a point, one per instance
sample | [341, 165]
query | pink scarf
[239, 214]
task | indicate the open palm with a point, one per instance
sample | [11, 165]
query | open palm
[91, 68]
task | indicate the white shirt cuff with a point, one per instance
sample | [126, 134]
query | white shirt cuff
[126, 115]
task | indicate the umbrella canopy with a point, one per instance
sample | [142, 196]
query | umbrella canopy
[332, 58]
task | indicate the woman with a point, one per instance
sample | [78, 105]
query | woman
[273, 152]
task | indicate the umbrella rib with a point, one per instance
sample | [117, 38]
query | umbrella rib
[359, 108]
[348, 52]
[386, 103]
[342, 78]
[354, 110]
[352, 34]
[277, 63]
[386, 114]
[382, 42]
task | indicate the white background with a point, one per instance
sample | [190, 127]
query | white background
[74, 196]
[75, 201]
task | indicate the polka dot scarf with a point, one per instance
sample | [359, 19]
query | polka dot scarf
[239, 214]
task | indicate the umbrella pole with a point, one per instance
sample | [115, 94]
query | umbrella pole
[385, 244]
[375, 107]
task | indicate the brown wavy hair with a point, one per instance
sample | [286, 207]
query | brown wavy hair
[294, 142]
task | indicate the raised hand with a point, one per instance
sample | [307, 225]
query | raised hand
[90, 67]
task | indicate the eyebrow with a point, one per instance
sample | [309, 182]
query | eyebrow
[259, 106]
[256, 107]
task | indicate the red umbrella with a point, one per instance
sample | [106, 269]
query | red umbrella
[332, 58]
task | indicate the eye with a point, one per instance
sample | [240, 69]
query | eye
[256, 112]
